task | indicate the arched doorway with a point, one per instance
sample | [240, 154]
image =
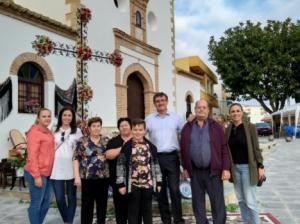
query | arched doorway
[135, 97]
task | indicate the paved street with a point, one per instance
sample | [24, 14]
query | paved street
[280, 195]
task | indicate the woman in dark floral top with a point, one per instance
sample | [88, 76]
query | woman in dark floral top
[91, 172]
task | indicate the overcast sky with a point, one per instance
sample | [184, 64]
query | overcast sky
[197, 20]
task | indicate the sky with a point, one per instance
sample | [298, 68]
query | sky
[197, 20]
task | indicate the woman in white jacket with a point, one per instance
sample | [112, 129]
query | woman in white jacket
[66, 136]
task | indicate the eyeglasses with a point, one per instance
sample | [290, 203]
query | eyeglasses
[62, 136]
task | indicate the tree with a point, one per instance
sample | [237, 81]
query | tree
[261, 63]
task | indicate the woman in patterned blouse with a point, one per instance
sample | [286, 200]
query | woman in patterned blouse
[91, 172]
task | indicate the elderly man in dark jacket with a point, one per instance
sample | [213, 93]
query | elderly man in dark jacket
[205, 158]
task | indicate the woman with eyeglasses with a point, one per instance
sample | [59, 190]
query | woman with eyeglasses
[66, 136]
[39, 162]
[247, 162]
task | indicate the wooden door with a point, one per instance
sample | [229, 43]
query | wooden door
[135, 97]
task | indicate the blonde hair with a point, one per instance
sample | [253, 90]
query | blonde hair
[39, 113]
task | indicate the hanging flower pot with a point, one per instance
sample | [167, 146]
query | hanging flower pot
[85, 15]
[116, 58]
[84, 53]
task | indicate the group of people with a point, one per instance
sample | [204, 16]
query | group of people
[135, 166]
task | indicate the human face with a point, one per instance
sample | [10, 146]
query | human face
[138, 132]
[201, 110]
[124, 128]
[66, 117]
[220, 120]
[236, 114]
[95, 129]
[44, 119]
[161, 104]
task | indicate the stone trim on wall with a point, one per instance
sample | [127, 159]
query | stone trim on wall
[150, 86]
[71, 16]
[121, 90]
[31, 57]
[140, 5]
[132, 42]
[9, 8]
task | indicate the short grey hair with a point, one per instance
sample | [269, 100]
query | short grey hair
[201, 100]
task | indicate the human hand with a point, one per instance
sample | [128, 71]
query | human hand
[261, 173]
[122, 190]
[186, 174]
[226, 175]
[77, 181]
[38, 182]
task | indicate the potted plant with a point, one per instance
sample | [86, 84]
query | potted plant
[19, 160]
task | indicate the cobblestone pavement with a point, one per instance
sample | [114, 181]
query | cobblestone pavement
[14, 212]
[280, 194]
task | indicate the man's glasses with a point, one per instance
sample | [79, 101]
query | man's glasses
[62, 136]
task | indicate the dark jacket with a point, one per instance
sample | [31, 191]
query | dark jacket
[254, 153]
[220, 159]
[124, 166]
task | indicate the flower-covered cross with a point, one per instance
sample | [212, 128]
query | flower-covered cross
[45, 46]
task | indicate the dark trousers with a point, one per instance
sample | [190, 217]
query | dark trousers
[169, 165]
[140, 205]
[120, 204]
[93, 190]
[203, 182]
[67, 207]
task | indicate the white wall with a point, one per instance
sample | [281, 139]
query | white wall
[161, 38]
[55, 9]
[105, 17]
[256, 113]
[185, 84]
[17, 40]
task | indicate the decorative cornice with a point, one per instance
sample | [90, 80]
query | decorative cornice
[181, 71]
[9, 8]
[136, 42]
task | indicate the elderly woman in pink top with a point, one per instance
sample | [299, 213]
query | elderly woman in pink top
[39, 162]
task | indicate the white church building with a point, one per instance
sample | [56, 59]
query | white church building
[143, 31]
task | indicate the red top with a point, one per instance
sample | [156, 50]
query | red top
[40, 151]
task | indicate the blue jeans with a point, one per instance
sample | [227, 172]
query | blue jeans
[246, 194]
[40, 198]
[66, 208]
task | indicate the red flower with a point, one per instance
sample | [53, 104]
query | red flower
[116, 58]
[43, 45]
[85, 15]
[85, 53]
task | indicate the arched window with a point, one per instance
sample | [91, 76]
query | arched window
[188, 101]
[30, 88]
[138, 19]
